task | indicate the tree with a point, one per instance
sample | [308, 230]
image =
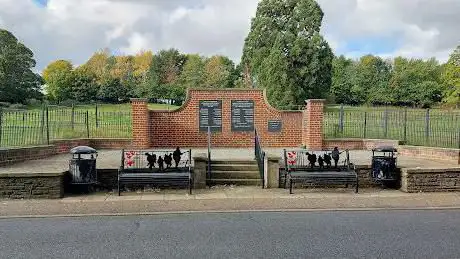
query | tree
[84, 85]
[451, 79]
[343, 80]
[372, 77]
[193, 72]
[288, 32]
[58, 79]
[111, 90]
[416, 82]
[123, 71]
[141, 65]
[100, 64]
[18, 82]
[163, 76]
[217, 72]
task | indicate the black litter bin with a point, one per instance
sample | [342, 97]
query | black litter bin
[82, 166]
[384, 168]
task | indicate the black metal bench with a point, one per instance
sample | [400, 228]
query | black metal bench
[299, 169]
[136, 170]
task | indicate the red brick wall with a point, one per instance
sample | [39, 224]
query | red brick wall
[140, 117]
[181, 127]
[313, 131]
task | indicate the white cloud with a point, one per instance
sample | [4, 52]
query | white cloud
[74, 29]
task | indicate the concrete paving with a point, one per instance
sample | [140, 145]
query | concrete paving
[228, 198]
[110, 159]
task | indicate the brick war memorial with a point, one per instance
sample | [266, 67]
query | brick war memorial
[226, 137]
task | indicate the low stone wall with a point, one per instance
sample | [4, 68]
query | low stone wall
[10, 156]
[358, 144]
[430, 180]
[16, 155]
[108, 178]
[32, 186]
[448, 154]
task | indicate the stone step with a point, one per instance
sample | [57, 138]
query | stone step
[235, 175]
[230, 162]
[255, 182]
[234, 167]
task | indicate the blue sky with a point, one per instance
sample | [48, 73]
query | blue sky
[41, 3]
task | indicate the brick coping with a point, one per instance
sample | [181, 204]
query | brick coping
[188, 97]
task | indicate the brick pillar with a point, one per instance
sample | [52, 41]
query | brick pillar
[140, 115]
[312, 125]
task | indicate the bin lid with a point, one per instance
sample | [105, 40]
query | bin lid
[385, 149]
[83, 150]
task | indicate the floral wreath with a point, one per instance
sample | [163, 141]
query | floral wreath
[129, 158]
[291, 157]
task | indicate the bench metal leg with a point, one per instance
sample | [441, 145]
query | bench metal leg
[357, 185]
[290, 186]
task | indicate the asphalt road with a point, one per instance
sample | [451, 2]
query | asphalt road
[378, 234]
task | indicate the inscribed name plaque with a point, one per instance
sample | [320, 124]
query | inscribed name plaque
[211, 115]
[274, 126]
[243, 115]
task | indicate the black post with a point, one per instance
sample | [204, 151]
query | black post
[405, 126]
[73, 117]
[365, 124]
[42, 125]
[427, 126]
[97, 120]
[341, 118]
[1, 125]
[24, 139]
[87, 123]
[458, 125]
[209, 152]
[47, 126]
[386, 123]
[255, 144]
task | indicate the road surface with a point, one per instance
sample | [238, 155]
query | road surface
[377, 234]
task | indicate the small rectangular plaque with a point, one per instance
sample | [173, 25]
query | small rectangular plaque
[274, 125]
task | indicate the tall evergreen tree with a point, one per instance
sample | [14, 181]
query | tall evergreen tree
[287, 33]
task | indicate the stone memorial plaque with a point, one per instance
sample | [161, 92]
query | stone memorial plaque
[210, 115]
[243, 115]
[274, 125]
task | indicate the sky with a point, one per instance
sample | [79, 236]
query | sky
[75, 29]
